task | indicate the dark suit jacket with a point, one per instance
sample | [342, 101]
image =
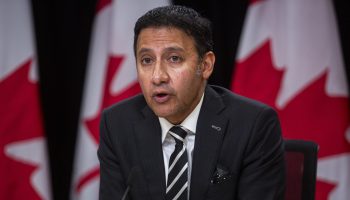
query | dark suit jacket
[236, 138]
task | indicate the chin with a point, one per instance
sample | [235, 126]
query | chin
[162, 112]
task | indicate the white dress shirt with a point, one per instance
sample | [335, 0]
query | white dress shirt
[168, 142]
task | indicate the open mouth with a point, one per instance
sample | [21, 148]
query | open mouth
[161, 97]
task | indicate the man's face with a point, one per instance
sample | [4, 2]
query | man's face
[171, 75]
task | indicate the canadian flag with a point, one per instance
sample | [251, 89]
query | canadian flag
[111, 77]
[290, 58]
[24, 170]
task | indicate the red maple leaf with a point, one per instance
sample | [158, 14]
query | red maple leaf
[310, 115]
[107, 100]
[20, 119]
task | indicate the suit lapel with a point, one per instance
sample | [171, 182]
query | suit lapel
[209, 136]
[148, 136]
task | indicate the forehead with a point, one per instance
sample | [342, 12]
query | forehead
[157, 38]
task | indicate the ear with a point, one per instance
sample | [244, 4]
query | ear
[208, 64]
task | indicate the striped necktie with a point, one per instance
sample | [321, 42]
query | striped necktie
[178, 164]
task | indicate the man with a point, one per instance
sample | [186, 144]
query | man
[184, 139]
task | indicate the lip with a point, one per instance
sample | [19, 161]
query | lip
[161, 97]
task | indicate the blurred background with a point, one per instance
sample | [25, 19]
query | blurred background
[64, 31]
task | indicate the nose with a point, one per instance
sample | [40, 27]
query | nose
[160, 74]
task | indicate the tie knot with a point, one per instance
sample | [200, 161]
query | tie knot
[178, 133]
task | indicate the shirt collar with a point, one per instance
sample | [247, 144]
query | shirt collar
[189, 123]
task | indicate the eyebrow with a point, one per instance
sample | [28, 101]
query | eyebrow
[174, 49]
[168, 49]
[144, 50]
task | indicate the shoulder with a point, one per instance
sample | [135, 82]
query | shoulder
[126, 108]
[239, 108]
[236, 101]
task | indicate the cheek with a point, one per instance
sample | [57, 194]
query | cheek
[180, 82]
[144, 83]
[182, 76]
[143, 77]
[184, 82]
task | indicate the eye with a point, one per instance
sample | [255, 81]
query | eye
[146, 61]
[175, 59]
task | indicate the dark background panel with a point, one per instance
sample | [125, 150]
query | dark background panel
[342, 10]
[63, 30]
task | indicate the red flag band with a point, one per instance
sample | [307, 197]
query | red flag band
[290, 58]
[23, 161]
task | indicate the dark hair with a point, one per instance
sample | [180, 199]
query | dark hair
[183, 18]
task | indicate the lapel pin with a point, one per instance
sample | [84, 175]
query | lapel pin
[216, 127]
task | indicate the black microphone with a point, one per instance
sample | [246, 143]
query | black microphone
[132, 175]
